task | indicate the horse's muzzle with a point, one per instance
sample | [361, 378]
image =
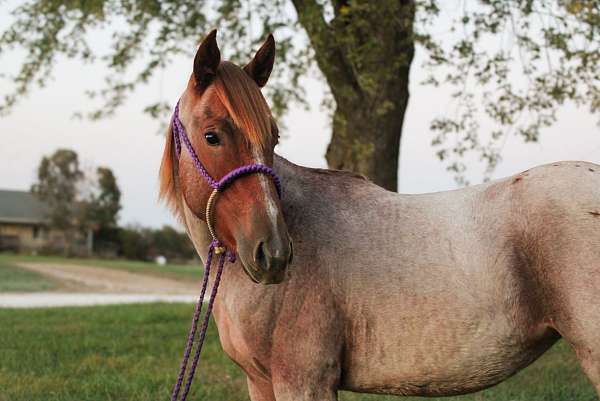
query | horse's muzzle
[269, 261]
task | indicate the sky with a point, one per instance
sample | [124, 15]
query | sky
[129, 142]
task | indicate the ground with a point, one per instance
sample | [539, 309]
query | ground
[85, 278]
[174, 271]
[15, 279]
[132, 352]
[73, 274]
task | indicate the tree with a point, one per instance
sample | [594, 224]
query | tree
[134, 243]
[58, 178]
[364, 50]
[103, 205]
[78, 203]
[99, 210]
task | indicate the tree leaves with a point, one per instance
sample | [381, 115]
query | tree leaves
[155, 32]
[513, 64]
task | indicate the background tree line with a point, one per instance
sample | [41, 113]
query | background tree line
[82, 203]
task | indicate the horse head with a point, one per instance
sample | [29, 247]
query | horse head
[229, 125]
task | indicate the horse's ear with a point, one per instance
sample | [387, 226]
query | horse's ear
[207, 61]
[261, 65]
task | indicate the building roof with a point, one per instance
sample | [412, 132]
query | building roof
[21, 207]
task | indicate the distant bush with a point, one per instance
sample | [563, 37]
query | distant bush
[140, 243]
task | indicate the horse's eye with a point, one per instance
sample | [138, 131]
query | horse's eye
[212, 138]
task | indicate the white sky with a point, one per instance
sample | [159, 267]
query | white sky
[130, 146]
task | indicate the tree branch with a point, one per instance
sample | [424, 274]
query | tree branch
[330, 57]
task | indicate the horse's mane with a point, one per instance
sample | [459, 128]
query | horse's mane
[249, 111]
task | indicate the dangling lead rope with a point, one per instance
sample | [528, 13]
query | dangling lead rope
[196, 318]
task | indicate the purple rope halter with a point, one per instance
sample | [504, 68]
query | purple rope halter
[215, 248]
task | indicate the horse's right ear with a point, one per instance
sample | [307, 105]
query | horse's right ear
[207, 61]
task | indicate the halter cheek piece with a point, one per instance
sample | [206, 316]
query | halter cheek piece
[215, 247]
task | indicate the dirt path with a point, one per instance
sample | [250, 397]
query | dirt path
[77, 278]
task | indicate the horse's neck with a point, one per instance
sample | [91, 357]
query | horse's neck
[310, 193]
[304, 191]
[197, 229]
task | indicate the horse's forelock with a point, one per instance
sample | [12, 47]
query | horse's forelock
[245, 104]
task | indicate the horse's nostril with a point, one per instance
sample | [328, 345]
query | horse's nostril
[259, 254]
[271, 256]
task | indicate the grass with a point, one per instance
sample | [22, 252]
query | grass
[175, 271]
[14, 279]
[106, 353]
[132, 353]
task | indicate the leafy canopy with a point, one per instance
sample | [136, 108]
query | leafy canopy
[512, 63]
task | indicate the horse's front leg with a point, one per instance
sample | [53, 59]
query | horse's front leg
[307, 366]
[297, 376]
[260, 390]
[305, 383]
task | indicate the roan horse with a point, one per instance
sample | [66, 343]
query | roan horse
[435, 294]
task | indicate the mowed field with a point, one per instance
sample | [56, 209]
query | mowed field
[132, 352]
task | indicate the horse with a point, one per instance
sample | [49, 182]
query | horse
[343, 285]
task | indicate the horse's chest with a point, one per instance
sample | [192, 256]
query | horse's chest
[245, 341]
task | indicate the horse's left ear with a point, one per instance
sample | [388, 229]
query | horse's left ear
[207, 61]
[261, 65]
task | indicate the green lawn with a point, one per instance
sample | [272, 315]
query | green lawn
[14, 279]
[176, 271]
[132, 353]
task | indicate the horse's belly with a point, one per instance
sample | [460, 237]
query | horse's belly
[448, 364]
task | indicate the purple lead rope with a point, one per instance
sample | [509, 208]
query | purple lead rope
[179, 135]
[194, 327]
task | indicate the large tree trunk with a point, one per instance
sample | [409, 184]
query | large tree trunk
[365, 54]
[368, 143]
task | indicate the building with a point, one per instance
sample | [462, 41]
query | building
[24, 223]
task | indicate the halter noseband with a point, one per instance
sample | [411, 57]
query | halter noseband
[215, 247]
[179, 134]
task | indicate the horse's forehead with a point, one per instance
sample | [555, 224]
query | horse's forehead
[208, 106]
